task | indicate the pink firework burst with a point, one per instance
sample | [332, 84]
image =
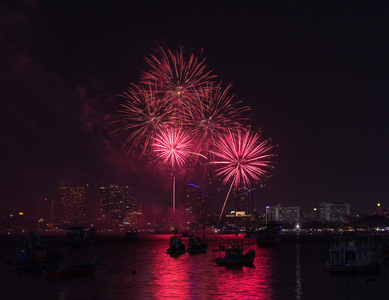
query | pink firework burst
[173, 145]
[176, 75]
[143, 115]
[242, 157]
[214, 113]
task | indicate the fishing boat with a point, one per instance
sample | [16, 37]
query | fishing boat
[176, 246]
[32, 254]
[234, 252]
[354, 254]
[82, 270]
[270, 234]
[132, 235]
[196, 245]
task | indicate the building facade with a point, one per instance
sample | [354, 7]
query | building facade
[333, 212]
[244, 200]
[71, 209]
[116, 201]
[283, 214]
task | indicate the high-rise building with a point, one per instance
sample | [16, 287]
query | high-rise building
[244, 200]
[194, 200]
[333, 212]
[197, 203]
[71, 208]
[116, 200]
[283, 214]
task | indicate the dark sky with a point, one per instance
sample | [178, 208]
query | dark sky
[315, 74]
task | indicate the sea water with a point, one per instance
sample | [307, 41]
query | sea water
[295, 269]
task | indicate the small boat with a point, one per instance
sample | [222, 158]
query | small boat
[270, 234]
[91, 234]
[196, 245]
[32, 254]
[234, 253]
[82, 270]
[76, 237]
[176, 245]
[132, 235]
[354, 254]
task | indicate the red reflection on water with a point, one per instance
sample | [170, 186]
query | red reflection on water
[196, 276]
[247, 282]
[171, 273]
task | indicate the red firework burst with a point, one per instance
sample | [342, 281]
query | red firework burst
[175, 74]
[173, 145]
[176, 78]
[242, 157]
[143, 115]
[213, 113]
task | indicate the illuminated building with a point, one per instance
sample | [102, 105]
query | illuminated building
[194, 200]
[116, 201]
[197, 203]
[333, 212]
[72, 203]
[283, 214]
[244, 200]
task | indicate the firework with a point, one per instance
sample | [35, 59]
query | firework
[242, 158]
[173, 146]
[143, 115]
[213, 114]
[175, 75]
[177, 78]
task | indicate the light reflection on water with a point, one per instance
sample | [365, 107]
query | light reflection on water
[143, 270]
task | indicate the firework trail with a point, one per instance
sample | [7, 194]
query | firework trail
[242, 158]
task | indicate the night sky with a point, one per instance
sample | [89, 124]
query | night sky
[315, 74]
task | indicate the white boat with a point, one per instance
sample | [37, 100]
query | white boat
[354, 254]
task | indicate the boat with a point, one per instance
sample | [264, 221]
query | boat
[354, 254]
[234, 253]
[91, 234]
[32, 254]
[76, 237]
[176, 246]
[82, 270]
[196, 245]
[269, 234]
[132, 235]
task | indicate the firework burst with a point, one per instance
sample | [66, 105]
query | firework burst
[175, 75]
[213, 114]
[143, 114]
[177, 78]
[173, 146]
[242, 158]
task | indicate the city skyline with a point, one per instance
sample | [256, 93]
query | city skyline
[313, 75]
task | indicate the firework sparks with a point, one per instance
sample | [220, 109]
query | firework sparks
[176, 78]
[173, 145]
[213, 114]
[242, 158]
[143, 115]
[179, 110]
[176, 75]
